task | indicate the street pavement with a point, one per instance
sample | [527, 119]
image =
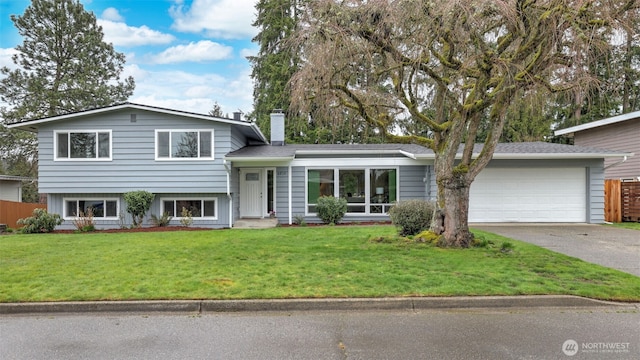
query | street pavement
[529, 333]
[599, 244]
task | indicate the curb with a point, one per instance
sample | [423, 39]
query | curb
[351, 304]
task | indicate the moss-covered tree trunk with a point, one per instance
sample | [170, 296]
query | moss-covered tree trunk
[452, 212]
[456, 212]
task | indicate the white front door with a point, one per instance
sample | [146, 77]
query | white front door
[251, 193]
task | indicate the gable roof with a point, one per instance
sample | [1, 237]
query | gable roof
[603, 122]
[248, 129]
[521, 150]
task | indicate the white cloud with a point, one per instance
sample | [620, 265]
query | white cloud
[5, 58]
[194, 52]
[228, 19]
[248, 52]
[120, 34]
[112, 14]
[186, 91]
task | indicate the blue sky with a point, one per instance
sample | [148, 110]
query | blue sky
[183, 54]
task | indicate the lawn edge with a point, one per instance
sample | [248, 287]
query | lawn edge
[328, 304]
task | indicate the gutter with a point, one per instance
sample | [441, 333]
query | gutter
[227, 167]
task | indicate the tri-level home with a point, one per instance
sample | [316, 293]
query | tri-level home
[223, 170]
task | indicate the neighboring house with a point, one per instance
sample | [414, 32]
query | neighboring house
[225, 169]
[620, 133]
[11, 187]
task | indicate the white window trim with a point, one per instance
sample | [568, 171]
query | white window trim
[55, 145]
[176, 198]
[65, 200]
[336, 189]
[155, 140]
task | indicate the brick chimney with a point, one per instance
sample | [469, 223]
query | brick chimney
[277, 127]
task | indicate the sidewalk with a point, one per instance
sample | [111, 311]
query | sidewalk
[365, 304]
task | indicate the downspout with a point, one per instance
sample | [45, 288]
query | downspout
[290, 192]
[616, 163]
[227, 167]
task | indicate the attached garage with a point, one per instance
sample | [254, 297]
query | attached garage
[529, 195]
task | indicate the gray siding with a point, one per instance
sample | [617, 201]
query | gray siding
[55, 204]
[624, 137]
[133, 165]
[595, 193]
[414, 182]
[282, 195]
[237, 140]
[298, 192]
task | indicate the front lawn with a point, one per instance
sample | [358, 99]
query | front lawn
[297, 262]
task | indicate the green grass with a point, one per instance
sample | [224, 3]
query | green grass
[627, 225]
[296, 262]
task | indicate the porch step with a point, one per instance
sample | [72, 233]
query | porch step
[255, 223]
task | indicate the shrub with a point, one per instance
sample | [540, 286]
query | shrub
[40, 222]
[412, 216]
[161, 221]
[299, 220]
[138, 203]
[186, 217]
[84, 221]
[330, 209]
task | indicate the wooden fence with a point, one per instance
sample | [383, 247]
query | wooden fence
[622, 201]
[11, 211]
[630, 192]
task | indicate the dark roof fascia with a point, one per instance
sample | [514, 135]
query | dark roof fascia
[30, 125]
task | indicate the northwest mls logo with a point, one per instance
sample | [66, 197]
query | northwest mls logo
[570, 347]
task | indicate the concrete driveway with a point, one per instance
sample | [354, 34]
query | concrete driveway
[600, 244]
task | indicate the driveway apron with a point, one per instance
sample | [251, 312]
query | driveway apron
[600, 244]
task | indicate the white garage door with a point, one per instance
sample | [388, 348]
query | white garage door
[529, 195]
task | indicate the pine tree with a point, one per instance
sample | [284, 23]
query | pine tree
[64, 66]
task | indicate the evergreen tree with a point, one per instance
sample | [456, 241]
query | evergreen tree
[274, 65]
[64, 66]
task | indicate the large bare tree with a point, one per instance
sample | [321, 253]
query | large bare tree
[447, 66]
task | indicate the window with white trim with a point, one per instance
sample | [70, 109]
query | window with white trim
[184, 144]
[101, 208]
[367, 190]
[82, 144]
[206, 208]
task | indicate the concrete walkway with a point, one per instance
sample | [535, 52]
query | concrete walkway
[255, 223]
[600, 244]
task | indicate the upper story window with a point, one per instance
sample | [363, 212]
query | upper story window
[82, 145]
[184, 144]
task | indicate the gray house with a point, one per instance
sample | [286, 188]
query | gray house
[620, 133]
[225, 169]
